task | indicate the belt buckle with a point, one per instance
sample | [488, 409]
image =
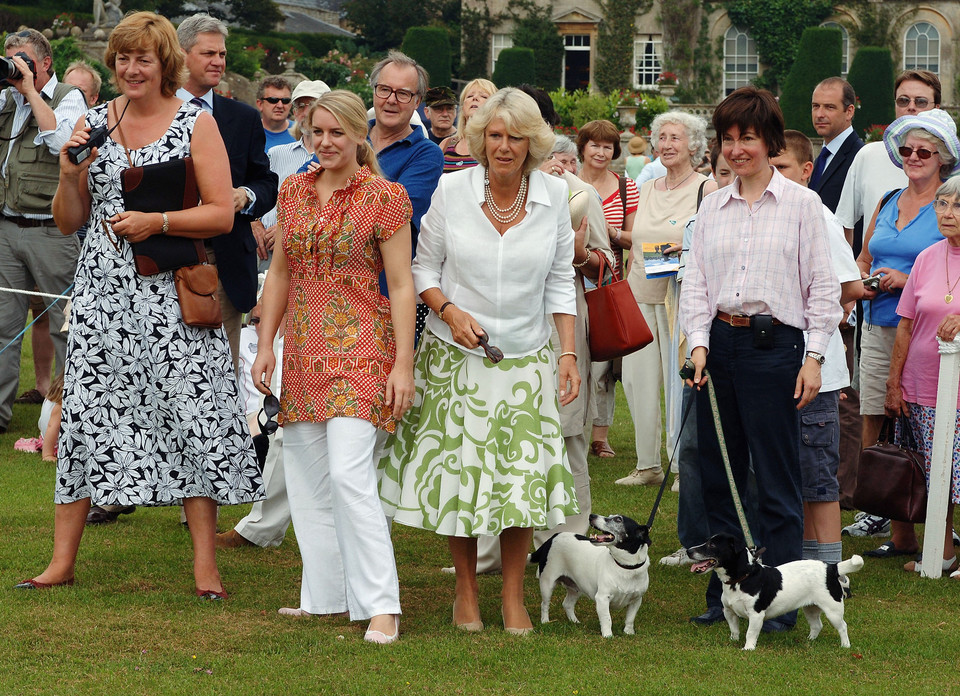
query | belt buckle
[739, 320]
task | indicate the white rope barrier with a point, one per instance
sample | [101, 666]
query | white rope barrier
[941, 459]
[16, 291]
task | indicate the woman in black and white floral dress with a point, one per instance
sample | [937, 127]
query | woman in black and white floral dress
[150, 408]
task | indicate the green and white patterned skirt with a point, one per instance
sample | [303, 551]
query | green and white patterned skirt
[481, 449]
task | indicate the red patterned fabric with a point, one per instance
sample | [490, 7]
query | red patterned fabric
[338, 345]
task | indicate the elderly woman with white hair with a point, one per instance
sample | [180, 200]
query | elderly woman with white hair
[667, 204]
[481, 451]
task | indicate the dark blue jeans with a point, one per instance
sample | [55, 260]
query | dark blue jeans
[761, 425]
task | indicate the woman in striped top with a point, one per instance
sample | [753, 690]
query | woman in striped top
[456, 156]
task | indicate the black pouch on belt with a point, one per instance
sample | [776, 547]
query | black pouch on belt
[762, 325]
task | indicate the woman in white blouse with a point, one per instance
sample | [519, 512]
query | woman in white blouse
[481, 450]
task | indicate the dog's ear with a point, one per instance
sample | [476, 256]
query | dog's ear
[643, 531]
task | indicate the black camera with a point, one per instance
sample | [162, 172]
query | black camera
[78, 153]
[688, 370]
[9, 70]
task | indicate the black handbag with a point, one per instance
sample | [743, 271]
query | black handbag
[891, 478]
[160, 188]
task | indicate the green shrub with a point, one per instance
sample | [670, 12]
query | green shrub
[515, 66]
[430, 46]
[322, 69]
[871, 75]
[244, 59]
[818, 57]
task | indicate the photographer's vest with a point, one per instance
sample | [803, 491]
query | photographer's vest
[32, 172]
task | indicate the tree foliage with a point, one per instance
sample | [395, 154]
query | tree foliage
[383, 23]
[614, 67]
[819, 56]
[871, 76]
[534, 29]
[430, 46]
[515, 66]
[776, 26]
[476, 29]
[688, 51]
[259, 15]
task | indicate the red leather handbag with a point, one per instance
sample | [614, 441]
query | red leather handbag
[617, 326]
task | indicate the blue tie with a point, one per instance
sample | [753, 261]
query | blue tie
[197, 101]
[820, 165]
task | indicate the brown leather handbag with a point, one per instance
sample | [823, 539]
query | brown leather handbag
[891, 478]
[197, 293]
[617, 326]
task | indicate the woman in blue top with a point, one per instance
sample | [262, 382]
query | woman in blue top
[925, 146]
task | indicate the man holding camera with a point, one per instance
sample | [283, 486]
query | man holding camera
[37, 116]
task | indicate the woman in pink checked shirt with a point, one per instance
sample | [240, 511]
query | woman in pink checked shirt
[757, 276]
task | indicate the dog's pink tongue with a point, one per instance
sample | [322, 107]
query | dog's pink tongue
[701, 567]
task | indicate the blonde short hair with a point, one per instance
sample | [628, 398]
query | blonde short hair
[521, 116]
[479, 83]
[351, 114]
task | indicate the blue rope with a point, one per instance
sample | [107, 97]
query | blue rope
[25, 328]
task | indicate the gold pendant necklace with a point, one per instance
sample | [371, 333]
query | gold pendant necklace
[948, 298]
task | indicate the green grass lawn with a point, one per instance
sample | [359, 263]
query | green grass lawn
[132, 626]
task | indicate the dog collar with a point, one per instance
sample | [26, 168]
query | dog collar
[628, 567]
[743, 577]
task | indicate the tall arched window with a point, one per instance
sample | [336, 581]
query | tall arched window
[921, 48]
[844, 46]
[740, 62]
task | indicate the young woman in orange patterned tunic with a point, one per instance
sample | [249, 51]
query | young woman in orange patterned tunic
[347, 363]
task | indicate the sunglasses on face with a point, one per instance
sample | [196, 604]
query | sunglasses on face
[274, 100]
[943, 207]
[111, 235]
[271, 407]
[922, 153]
[404, 96]
[920, 102]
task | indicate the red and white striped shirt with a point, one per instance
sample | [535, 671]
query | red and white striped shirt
[769, 258]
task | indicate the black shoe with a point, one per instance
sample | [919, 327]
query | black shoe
[775, 626]
[711, 616]
[98, 515]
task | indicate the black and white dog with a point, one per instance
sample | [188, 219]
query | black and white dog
[612, 568]
[757, 592]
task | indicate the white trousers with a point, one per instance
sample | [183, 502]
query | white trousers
[644, 373]
[345, 546]
[267, 522]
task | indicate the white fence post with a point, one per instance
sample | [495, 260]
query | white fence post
[941, 460]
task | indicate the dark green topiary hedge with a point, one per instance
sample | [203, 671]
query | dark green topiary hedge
[430, 46]
[515, 66]
[820, 56]
[871, 75]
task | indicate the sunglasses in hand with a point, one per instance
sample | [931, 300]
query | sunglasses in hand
[493, 353]
[270, 409]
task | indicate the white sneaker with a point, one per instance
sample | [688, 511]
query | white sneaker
[677, 558]
[675, 488]
[642, 477]
[865, 525]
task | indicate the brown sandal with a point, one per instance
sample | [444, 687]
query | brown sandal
[601, 448]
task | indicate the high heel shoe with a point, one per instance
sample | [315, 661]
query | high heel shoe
[381, 638]
[468, 626]
[510, 630]
[37, 585]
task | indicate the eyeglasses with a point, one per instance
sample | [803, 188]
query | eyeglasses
[920, 102]
[922, 153]
[943, 207]
[274, 100]
[404, 96]
[253, 320]
[271, 407]
[111, 235]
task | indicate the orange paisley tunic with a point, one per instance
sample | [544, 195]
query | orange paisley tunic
[339, 346]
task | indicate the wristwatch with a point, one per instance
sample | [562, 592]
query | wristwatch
[819, 357]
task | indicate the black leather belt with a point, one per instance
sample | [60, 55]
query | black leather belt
[28, 222]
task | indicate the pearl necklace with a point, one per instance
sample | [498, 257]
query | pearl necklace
[505, 215]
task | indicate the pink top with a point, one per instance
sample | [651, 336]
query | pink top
[923, 301]
[771, 258]
[338, 343]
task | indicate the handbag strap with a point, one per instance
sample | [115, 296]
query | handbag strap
[622, 186]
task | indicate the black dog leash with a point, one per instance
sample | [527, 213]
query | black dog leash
[663, 484]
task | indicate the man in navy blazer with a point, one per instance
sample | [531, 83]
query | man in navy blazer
[834, 103]
[203, 39]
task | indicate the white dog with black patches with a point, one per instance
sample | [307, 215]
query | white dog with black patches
[612, 568]
[757, 592]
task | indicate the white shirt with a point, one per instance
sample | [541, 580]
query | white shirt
[510, 283]
[71, 108]
[870, 176]
[834, 145]
[651, 171]
[251, 398]
[834, 374]
[285, 160]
